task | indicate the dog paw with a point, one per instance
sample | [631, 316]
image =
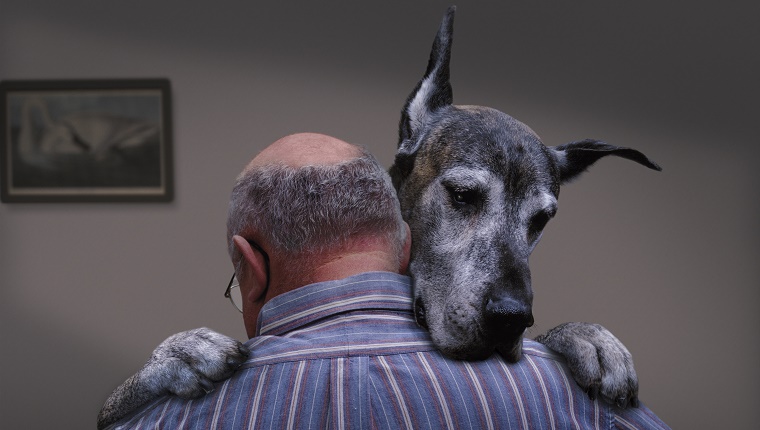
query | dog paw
[599, 362]
[188, 363]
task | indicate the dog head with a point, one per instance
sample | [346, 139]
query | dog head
[477, 188]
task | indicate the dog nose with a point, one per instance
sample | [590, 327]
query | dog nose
[507, 313]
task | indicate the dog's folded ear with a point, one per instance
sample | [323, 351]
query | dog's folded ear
[574, 158]
[432, 92]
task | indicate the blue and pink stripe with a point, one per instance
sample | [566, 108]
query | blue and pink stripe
[348, 355]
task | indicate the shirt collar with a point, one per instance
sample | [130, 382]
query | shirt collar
[371, 290]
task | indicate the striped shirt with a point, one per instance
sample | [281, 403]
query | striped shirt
[348, 354]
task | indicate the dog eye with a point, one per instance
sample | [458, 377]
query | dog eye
[537, 224]
[462, 197]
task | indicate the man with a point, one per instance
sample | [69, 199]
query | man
[320, 251]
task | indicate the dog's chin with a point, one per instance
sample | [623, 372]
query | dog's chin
[481, 349]
[511, 351]
[474, 346]
[468, 353]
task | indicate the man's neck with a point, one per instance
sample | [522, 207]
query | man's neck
[346, 265]
[359, 256]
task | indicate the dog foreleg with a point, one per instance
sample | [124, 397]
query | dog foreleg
[185, 364]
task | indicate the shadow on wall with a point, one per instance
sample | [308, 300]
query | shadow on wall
[57, 378]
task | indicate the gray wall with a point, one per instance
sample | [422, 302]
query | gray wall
[668, 261]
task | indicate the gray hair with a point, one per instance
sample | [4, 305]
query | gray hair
[300, 211]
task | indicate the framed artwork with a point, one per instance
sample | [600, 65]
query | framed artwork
[86, 141]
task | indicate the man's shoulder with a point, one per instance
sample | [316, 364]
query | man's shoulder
[363, 339]
[540, 351]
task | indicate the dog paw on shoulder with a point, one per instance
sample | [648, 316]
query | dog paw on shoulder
[598, 361]
[188, 363]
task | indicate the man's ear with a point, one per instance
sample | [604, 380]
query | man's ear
[574, 158]
[406, 252]
[253, 284]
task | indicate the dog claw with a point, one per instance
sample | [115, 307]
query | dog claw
[594, 390]
[235, 362]
[206, 385]
[622, 402]
[591, 395]
[419, 313]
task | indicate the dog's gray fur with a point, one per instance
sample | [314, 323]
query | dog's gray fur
[476, 187]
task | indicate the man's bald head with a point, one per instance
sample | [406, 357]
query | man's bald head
[308, 192]
[305, 149]
[321, 208]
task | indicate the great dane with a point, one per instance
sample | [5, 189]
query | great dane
[477, 188]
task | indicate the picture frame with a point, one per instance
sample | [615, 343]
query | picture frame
[86, 141]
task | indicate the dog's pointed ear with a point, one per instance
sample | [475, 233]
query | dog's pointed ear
[574, 158]
[432, 92]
